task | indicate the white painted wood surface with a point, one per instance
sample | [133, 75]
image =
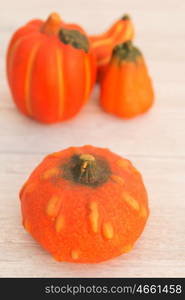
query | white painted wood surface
[155, 142]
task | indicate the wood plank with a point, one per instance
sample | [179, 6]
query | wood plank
[155, 142]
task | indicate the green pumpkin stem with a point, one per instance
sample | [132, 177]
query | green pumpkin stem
[74, 38]
[126, 52]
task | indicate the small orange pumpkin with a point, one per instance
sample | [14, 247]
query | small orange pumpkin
[126, 88]
[85, 204]
[121, 31]
[51, 69]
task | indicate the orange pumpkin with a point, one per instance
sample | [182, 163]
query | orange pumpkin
[126, 88]
[85, 204]
[51, 69]
[121, 31]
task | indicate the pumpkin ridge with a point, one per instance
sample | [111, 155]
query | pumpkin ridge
[60, 68]
[11, 55]
[14, 47]
[28, 77]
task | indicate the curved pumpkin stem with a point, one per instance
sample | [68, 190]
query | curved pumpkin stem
[52, 25]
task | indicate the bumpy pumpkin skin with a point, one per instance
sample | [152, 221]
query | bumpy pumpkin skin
[126, 87]
[50, 80]
[121, 31]
[84, 223]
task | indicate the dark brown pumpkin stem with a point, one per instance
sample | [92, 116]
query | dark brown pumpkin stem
[74, 38]
[126, 51]
[125, 17]
[88, 169]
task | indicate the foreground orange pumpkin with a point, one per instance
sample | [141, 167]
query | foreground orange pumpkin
[51, 69]
[126, 88]
[121, 31]
[85, 204]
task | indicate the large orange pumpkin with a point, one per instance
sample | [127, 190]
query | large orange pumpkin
[51, 69]
[85, 204]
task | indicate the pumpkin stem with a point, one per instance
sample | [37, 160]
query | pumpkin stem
[126, 51]
[52, 25]
[74, 38]
[88, 169]
[125, 17]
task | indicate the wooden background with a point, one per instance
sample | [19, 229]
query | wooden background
[155, 142]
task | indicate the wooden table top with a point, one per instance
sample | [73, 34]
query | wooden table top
[154, 142]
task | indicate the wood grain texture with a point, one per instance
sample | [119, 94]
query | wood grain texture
[155, 142]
